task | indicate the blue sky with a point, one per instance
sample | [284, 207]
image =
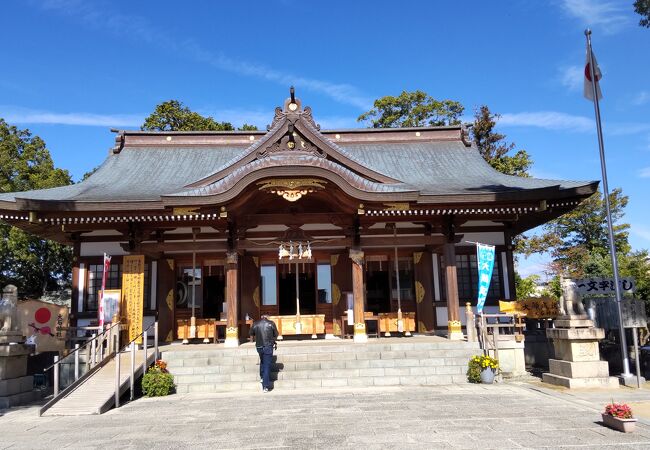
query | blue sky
[74, 69]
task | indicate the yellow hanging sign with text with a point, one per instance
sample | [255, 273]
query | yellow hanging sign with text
[133, 294]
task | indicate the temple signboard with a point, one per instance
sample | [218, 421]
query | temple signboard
[133, 294]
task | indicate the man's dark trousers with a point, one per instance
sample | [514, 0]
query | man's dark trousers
[266, 358]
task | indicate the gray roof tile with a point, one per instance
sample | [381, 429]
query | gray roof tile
[433, 168]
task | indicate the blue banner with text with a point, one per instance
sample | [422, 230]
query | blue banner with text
[485, 257]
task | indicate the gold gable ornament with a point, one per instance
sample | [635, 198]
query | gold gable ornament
[292, 189]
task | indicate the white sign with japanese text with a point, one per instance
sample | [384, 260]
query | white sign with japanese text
[604, 286]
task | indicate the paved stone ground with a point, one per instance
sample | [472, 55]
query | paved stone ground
[511, 415]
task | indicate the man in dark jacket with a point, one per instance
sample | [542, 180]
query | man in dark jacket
[265, 333]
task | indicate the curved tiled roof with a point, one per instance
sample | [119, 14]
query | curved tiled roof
[139, 174]
[444, 168]
[147, 172]
[294, 160]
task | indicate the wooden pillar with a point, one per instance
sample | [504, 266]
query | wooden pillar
[165, 286]
[249, 299]
[360, 334]
[510, 266]
[77, 296]
[423, 271]
[454, 329]
[341, 283]
[232, 333]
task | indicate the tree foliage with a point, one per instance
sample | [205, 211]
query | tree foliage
[578, 241]
[412, 109]
[172, 115]
[493, 147]
[417, 109]
[526, 287]
[642, 7]
[31, 263]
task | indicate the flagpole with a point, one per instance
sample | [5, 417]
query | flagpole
[610, 226]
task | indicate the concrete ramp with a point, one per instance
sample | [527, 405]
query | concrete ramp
[95, 394]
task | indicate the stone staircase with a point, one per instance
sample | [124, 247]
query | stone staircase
[417, 360]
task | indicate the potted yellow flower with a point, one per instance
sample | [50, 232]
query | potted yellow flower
[482, 369]
[618, 416]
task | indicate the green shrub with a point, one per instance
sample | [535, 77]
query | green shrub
[157, 381]
[473, 373]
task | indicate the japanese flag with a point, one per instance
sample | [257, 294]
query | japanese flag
[588, 88]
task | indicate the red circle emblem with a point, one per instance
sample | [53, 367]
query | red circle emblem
[588, 73]
[42, 315]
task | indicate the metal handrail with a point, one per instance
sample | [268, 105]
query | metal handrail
[139, 335]
[131, 346]
[79, 347]
[92, 363]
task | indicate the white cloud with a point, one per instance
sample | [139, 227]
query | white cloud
[641, 231]
[572, 77]
[550, 120]
[642, 98]
[140, 29]
[17, 115]
[626, 128]
[609, 16]
[645, 172]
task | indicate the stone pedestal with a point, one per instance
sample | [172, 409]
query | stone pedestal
[16, 387]
[577, 362]
[512, 362]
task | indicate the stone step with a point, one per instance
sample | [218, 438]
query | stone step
[331, 348]
[299, 365]
[307, 383]
[279, 365]
[321, 374]
[197, 361]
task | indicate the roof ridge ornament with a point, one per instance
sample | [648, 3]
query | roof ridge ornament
[293, 112]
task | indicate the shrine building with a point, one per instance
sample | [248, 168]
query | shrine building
[308, 226]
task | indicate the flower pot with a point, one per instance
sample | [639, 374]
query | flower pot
[487, 376]
[623, 425]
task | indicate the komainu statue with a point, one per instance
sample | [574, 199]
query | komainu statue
[8, 307]
[570, 301]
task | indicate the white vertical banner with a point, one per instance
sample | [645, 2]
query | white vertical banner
[107, 268]
[81, 287]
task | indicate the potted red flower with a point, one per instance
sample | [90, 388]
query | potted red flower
[619, 417]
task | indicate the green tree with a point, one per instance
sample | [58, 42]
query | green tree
[637, 264]
[89, 173]
[417, 109]
[247, 127]
[642, 7]
[526, 287]
[412, 109]
[172, 115]
[578, 241]
[31, 263]
[493, 147]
